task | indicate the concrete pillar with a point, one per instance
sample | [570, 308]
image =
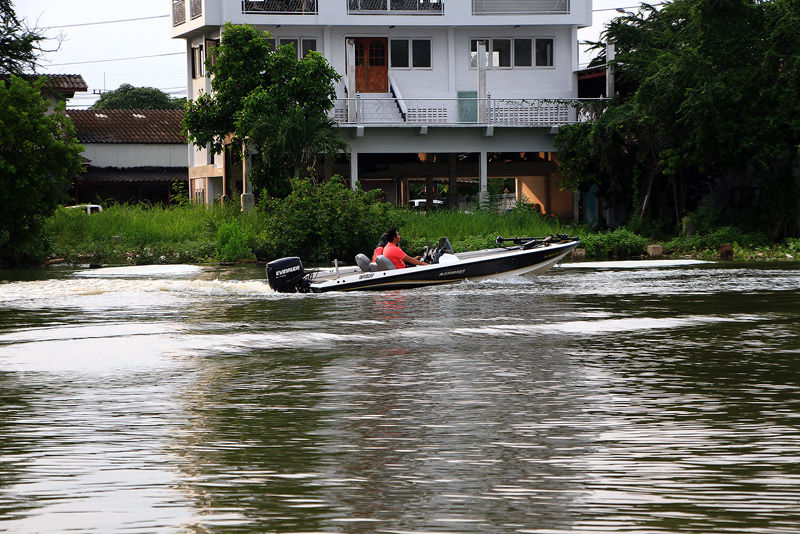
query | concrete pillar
[483, 178]
[353, 169]
[247, 199]
[481, 82]
[452, 199]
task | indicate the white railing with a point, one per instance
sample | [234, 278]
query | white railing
[462, 111]
[389, 7]
[286, 7]
[512, 7]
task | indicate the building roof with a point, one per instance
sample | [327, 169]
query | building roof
[133, 174]
[66, 83]
[130, 126]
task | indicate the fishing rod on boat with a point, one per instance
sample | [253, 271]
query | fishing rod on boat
[528, 242]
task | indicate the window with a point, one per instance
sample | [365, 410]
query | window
[501, 53]
[506, 53]
[303, 46]
[211, 52]
[308, 45]
[473, 55]
[544, 52]
[522, 53]
[421, 53]
[197, 61]
[399, 53]
[414, 53]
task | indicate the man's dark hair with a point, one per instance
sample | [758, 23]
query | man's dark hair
[391, 234]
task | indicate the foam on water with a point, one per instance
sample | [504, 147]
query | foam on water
[141, 271]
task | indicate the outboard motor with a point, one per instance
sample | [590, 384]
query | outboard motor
[286, 275]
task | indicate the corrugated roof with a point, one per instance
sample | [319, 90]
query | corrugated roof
[133, 174]
[155, 126]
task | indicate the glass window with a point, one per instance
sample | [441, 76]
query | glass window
[501, 52]
[522, 52]
[377, 54]
[360, 53]
[292, 42]
[398, 49]
[421, 53]
[544, 52]
[473, 55]
[309, 45]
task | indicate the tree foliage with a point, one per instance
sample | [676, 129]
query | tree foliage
[126, 96]
[715, 95]
[19, 45]
[38, 157]
[272, 100]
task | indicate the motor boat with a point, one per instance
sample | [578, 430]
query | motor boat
[524, 255]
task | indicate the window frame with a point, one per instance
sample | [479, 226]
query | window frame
[552, 58]
[410, 50]
[299, 42]
[490, 52]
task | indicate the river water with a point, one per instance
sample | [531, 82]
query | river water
[597, 398]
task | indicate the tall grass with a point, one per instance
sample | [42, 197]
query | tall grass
[472, 230]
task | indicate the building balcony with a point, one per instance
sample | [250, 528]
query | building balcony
[459, 112]
[195, 8]
[283, 7]
[519, 7]
[178, 12]
[395, 7]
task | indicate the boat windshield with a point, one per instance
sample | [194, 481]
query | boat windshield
[442, 247]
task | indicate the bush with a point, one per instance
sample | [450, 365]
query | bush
[621, 243]
[713, 240]
[321, 222]
[234, 242]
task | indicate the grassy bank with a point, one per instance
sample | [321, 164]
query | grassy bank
[137, 235]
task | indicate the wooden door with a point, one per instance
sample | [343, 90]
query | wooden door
[372, 64]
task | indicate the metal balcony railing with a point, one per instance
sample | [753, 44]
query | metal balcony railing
[196, 8]
[463, 111]
[178, 12]
[395, 7]
[286, 7]
[515, 7]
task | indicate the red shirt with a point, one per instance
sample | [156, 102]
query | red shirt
[395, 254]
[378, 252]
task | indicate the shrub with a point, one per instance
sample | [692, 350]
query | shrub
[321, 222]
[621, 243]
[713, 240]
[234, 242]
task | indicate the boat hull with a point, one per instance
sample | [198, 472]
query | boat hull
[500, 263]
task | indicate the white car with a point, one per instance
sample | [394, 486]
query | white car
[89, 208]
[420, 203]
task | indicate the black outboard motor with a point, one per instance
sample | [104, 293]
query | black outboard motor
[286, 275]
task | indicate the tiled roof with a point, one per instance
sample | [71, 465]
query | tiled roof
[58, 83]
[157, 126]
[133, 174]
[66, 83]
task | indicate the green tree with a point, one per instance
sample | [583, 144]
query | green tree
[38, 157]
[127, 96]
[714, 94]
[19, 45]
[269, 98]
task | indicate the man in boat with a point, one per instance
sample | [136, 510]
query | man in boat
[395, 254]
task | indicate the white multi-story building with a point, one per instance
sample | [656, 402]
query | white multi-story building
[436, 90]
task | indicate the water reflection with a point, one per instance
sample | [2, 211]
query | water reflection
[583, 401]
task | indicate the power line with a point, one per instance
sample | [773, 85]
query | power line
[116, 59]
[105, 22]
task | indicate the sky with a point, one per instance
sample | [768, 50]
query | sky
[99, 47]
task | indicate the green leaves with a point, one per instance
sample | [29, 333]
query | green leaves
[38, 158]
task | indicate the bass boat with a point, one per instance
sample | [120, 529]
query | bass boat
[525, 255]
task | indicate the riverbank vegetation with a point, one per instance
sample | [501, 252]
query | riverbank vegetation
[327, 221]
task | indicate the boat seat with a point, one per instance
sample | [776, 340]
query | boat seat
[363, 262]
[384, 263]
[374, 267]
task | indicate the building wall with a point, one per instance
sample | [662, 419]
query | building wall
[135, 155]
